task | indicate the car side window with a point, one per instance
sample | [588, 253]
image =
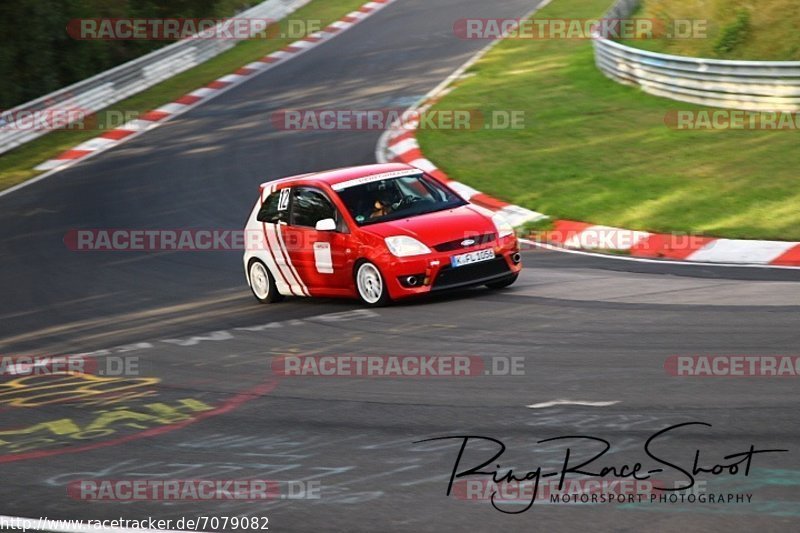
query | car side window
[309, 206]
[269, 211]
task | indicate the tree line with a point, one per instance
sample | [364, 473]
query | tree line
[38, 56]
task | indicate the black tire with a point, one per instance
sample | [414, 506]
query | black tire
[366, 275]
[503, 283]
[263, 286]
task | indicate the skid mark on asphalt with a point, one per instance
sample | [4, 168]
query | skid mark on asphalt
[231, 334]
[184, 313]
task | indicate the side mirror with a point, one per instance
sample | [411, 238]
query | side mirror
[326, 224]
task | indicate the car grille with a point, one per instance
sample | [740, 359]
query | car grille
[476, 272]
[449, 246]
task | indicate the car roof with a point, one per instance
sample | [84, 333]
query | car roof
[339, 175]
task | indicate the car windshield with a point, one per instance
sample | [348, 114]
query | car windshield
[397, 197]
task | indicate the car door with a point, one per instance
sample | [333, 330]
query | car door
[273, 216]
[322, 258]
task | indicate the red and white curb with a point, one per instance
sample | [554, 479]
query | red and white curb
[399, 144]
[156, 117]
[675, 247]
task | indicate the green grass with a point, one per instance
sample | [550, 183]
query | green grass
[598, 151]
[17, 165]
[737, 29]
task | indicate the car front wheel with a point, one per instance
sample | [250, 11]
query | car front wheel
[370, 285]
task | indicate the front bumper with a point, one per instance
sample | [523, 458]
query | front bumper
[434, 272]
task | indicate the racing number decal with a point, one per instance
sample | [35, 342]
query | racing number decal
[283, 200]
[322, 257]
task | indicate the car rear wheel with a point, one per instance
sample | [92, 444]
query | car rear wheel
[503, 283]
[370, 285]
[262, 283]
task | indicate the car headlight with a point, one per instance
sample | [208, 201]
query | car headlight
[504, 227]
[404, 246]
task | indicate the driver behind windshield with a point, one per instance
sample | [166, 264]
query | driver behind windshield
[391, 198]
[387, 198]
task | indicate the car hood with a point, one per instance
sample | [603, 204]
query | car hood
[432, 229]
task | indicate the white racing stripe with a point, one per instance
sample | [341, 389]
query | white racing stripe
[282, 257]
[301, 285]
[281, 285]
[278, 263]
[283, 270]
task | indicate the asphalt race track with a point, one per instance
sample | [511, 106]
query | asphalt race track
[587, 330]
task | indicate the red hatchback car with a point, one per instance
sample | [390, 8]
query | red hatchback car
[376, 232]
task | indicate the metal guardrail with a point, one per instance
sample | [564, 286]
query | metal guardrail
[104, 89]
[745, 85]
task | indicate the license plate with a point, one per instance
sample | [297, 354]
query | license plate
[472, 257]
